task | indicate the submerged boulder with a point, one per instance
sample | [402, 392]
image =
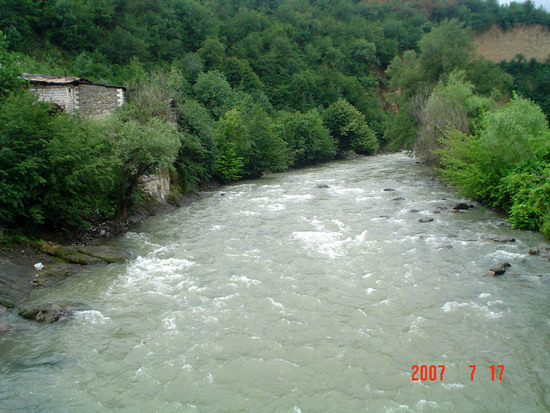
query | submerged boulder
[4, 326]
[501, 239]
[425, 219]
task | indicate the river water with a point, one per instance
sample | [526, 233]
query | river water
[279, 295]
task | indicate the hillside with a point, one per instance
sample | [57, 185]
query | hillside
[531, 41]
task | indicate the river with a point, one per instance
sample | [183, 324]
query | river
[284, 295]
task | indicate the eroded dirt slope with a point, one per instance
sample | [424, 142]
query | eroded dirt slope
[531, 41]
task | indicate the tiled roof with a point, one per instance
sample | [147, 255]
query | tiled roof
[54, 80]
[61, 80]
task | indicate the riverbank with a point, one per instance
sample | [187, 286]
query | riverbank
[50, 257]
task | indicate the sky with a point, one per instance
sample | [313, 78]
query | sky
[544, 3]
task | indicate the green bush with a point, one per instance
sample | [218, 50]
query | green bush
[506, 164]
[55, 169]
[525, 193]
[230, 165]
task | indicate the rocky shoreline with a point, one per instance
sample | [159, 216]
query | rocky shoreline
[45, 263]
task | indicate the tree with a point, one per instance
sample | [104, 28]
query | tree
[363, 53]
[156, 95]
[404, 73]
[212, 52]
[444, 49]
[214, 92]
[232, 146]
[348, 126]
[139, 149]
[9, 70]
[452, 105]
[194, 164]
[251, 141]
[307, 138]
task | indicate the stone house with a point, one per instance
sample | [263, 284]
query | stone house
[77, 95]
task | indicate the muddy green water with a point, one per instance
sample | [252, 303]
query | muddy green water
[276, 295]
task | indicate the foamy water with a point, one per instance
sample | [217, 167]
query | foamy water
[284, 296]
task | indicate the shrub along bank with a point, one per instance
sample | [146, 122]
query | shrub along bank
[493, 149]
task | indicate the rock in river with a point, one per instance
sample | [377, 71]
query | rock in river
[66, 254]
[502, 239]
[425, 219]
[539, 250]
[48, 312]
[85, 255]
[461, 206]
[106, 253]
[500, 268]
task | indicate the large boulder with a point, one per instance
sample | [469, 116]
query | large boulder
[106, 253]
[48, 312]
[66, 254]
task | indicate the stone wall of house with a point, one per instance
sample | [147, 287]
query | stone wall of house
[65, 96]
[96, 100]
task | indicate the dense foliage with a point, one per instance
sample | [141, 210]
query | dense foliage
[506, 163]
[229, 89]
[54, 169]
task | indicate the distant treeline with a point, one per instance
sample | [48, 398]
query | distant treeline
[258, 85]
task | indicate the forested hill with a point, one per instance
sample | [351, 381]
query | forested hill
[258, 85]
[297, 54]
[278, 47]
